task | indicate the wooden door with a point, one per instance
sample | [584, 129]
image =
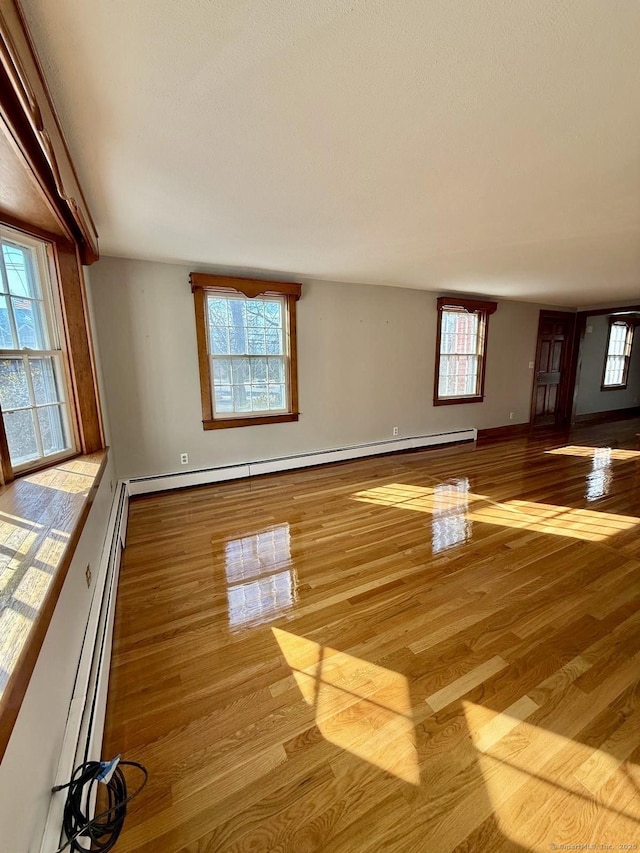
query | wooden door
[555, 332]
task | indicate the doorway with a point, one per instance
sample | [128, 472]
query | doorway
[550, 405]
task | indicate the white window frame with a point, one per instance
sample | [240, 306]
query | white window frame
[625, 356]
[52, 335]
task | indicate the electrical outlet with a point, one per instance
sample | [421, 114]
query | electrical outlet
[184, 458]
[531, 365]
[87, 574]
[511, 415]
[395, 430]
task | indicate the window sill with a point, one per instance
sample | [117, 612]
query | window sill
[228, 423]
[614, 387]
[42, 515]
[456, 401]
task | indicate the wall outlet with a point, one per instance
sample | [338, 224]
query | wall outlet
[512, 415]
[184, 458]
[531, 365]
[589, 330]
[87, 574]
[395, 430]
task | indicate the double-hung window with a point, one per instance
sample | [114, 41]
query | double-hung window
[247, 350]
[461, 347]
[616, 363]
[33, 393]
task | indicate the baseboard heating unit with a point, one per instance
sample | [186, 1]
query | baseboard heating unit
[204, 476]
[85, 723]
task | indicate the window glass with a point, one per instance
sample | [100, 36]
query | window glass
[248, 354]
[32, 388]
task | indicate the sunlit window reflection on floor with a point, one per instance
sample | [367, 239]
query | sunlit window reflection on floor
[360, 707]
[600, 477]
[585, 524]
[261, 580]
[532, 775]
[617, 454]
[451, 526]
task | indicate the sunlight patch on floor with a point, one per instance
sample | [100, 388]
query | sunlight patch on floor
[616, 454]
[360, 707]
[585, 524]
[535, 776]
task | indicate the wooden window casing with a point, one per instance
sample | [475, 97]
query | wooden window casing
[449, 350]
[203, 286]
[618, 354]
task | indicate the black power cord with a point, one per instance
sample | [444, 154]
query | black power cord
[104, 829]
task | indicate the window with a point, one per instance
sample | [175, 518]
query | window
[246, 331]
[32, 373]
[461, 345]
[616, 363]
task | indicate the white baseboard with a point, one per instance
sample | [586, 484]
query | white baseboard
[204, 476]
[85, 723]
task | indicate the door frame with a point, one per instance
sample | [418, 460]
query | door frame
[580, 329]
[567, 381]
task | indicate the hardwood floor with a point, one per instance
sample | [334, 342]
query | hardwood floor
[432, 651]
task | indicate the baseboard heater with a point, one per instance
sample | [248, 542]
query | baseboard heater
[203, 476]
[85, 722]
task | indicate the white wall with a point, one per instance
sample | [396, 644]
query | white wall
[591, 398]
[28, 767]
[365, 356]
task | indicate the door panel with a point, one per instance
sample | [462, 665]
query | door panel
[554, 339]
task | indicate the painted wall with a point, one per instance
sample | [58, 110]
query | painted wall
[365, 356]
[590, 398]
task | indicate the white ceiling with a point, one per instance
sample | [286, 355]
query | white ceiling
[487, 146]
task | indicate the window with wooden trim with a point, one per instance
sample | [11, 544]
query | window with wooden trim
[36, 419]
[461, 347]
[246, 333]
[618, 356]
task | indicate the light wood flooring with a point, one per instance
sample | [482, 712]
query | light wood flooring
[432, 651]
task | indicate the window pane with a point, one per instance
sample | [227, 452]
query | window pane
[223, 399]
[259, 398]
[255, 313]
[14, 389]
[6, 335]
[273, 314]
[273, 339]
[255, 341]
[459, 332]
[28, 317]
[276, 370]
[51, 429]
[219, 340]
[276, 397]
[218, 313]
[458, 376]
[614, 374]
[241, 371]
[238, 340]
[237, 312]
[258, 369]
[242, 398]
[45, 382]
[222, 371]
[21, 436]
[18, 263]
